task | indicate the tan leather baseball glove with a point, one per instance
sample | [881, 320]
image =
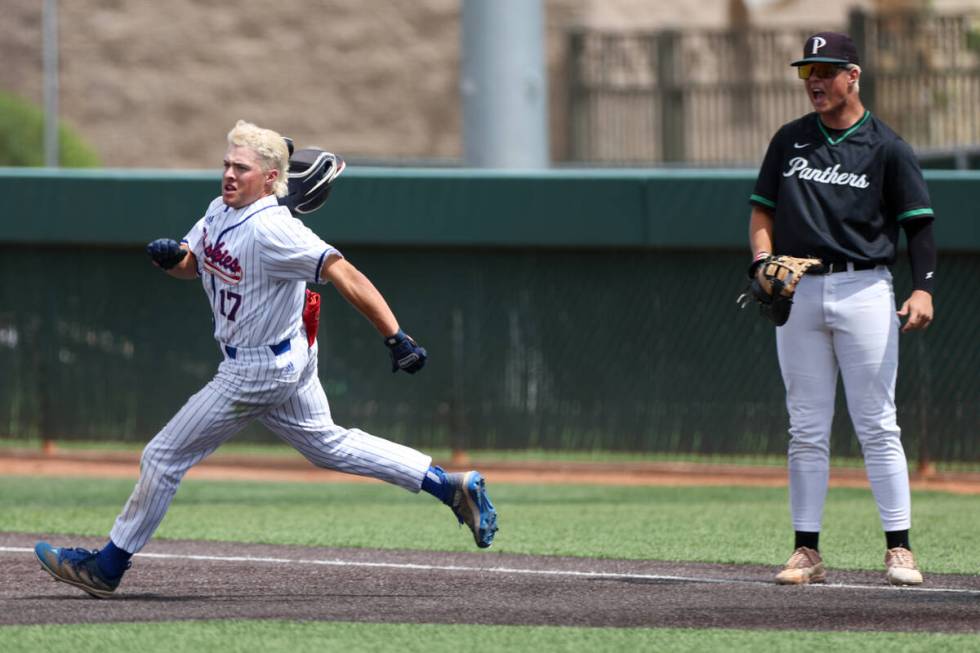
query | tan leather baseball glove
[774, 281]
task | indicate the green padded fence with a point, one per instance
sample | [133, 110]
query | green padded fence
[612, 347]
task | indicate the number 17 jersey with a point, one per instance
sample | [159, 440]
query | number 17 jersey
[254, 263]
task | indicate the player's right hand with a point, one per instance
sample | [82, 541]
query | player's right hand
[405, 353]
[166, 252]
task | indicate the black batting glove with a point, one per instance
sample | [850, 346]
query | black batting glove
[166, 252]
[405, 353]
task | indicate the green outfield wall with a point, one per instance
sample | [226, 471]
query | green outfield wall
[692, 209]
[565, 310]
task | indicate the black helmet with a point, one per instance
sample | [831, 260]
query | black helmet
[312, 173]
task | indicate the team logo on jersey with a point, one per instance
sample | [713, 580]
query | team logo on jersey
[220, 262]
[800, 167]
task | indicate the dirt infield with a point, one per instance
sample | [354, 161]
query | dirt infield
[265, 468]
[177, 580]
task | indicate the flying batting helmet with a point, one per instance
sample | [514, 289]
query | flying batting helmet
[312, 173]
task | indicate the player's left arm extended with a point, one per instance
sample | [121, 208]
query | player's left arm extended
[406, 354]
[358, 290]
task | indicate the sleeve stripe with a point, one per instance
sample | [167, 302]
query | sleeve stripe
[319, 266]
[914, 213]
[323, 257]
[762, 200]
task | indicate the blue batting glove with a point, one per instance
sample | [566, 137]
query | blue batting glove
[166, 252]
[405, 353]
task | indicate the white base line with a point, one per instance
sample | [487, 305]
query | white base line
[511, 570]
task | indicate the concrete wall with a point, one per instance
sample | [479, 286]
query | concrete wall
[154, 84]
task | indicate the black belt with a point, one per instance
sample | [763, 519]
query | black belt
[841, 266]
[281, 348]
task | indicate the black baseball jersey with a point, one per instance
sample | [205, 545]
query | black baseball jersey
[840, 196]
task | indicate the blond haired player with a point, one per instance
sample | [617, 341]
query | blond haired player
[254, 260]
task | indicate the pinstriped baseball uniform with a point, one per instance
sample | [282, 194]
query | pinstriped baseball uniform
[254, 264]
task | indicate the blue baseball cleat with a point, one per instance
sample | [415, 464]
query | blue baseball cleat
[472, 506]
[78, 567]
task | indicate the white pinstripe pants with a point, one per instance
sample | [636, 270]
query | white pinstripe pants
[843, 322]
[282, 392]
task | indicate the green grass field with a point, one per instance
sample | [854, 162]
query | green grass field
[728, 525]
[592, 521]
[299, 637]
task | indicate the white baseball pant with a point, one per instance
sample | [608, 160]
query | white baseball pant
[843, 322]
[284, 393]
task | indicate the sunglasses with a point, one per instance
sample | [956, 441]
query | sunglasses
[821, 70]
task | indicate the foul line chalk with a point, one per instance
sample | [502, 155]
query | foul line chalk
[514, 570]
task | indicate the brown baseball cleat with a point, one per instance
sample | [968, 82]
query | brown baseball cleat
[900, 566]
[804, 566]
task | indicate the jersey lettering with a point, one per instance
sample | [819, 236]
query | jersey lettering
[219, 262]
[800, 166]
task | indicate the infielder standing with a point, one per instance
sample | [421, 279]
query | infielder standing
[254, 260]
[837, 184]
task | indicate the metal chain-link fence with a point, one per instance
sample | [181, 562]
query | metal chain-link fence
[623, 350]
[717, 97]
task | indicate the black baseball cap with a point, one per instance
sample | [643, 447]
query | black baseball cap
[828, 47]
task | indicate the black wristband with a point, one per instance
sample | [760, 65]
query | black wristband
[760, 258]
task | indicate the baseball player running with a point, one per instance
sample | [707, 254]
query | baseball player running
[837, 184]
[254, 260]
